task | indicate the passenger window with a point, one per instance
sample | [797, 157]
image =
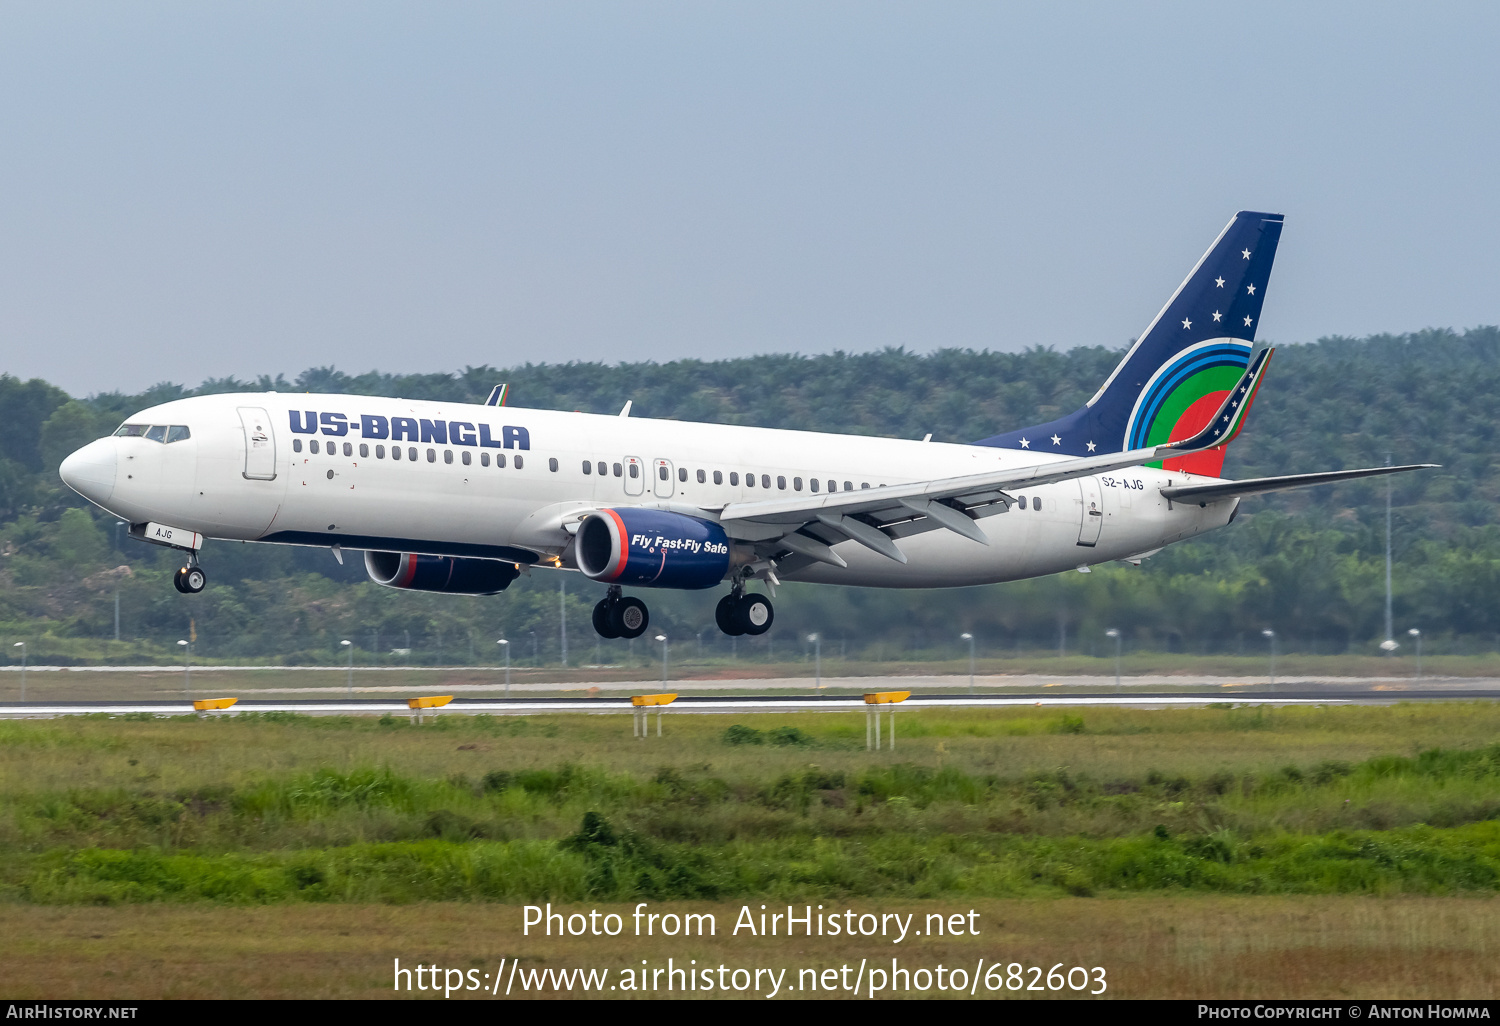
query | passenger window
[364, 451]
[380, 452]
[348, 448]
[312, 446]
[432, 456]
[765, 481]
[157, 432]
[813, 483]
[864, 484]
[781, 482]
[734, 478]
[682, 474]
[617, 470]
[796, 484]
[635, 471]
[1036, 503]
[661, 472]
[131, 430]
[500, 459]
[848, 486]
[296, 445]
[519, 462]
[604, 469]
[1021, 502]
[395, 452]
[468, 459]
[749, 480]
[411, 453]
[718, 477]
[833, 485]
[702, 477]
[552, 464]
[588, 467]
[484, 459]
[177, 432]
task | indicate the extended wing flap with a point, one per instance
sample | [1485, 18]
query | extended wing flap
[1206, 493]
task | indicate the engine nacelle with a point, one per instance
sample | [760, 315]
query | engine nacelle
[454, 575]
[652, 548]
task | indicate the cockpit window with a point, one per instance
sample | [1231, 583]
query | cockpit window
[156, 432]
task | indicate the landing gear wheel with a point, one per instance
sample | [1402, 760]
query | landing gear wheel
[629, 618]
[724, 616]
[603, 622]
[190, 580]
[755, 614]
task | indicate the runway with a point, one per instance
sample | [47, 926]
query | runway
[708, 704]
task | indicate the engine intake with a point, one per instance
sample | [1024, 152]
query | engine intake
[652, 548]
[453, 575]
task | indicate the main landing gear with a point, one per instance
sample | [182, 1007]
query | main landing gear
[617, 616]
[191, 579]
[740, 613]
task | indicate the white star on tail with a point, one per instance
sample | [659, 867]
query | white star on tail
[1056, 440]
[1219, 282]
[1026, 443]
[1217, 317]
[1250, 289]
[1186, 323]
[1091, 447]
[1245, 254]
[1247, 322]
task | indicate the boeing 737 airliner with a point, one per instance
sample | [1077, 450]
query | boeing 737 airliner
[458, 498]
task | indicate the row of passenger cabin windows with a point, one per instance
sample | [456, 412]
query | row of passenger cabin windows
[165, 433]
[411, 453]
[633, 470]
[589, 466]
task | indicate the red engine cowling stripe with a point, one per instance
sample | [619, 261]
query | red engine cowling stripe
[408, 570]
[621, 551]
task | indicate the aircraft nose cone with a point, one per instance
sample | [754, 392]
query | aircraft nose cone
[91, 470]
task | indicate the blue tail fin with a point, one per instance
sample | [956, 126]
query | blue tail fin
[1177, 373]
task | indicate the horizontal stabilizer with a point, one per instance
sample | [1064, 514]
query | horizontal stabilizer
[1206, 493]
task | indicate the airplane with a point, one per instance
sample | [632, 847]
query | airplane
[464, 498]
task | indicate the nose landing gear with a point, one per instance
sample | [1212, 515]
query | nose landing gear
[191, 579]
[739, 613]
[616, 616]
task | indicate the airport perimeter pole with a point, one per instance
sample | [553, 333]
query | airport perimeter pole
[506, 645]
[349, 682]
[966, 636]
[22, 646]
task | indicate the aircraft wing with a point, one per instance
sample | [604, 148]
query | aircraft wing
[810, 525]
[1206, 493]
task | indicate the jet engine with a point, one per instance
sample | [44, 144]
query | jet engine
[652, 548]
[451, 574]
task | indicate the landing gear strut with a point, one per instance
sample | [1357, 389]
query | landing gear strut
[617, 616]
[741, 613]
[191, 579]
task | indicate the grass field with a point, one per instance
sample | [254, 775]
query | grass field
[1231, 851]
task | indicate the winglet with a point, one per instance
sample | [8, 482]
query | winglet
[625, 410]
[1230, 417]
[497, 395]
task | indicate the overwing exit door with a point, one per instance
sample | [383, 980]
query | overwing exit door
[635, 475]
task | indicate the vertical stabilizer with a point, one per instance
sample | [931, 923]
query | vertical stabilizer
[1179, 371]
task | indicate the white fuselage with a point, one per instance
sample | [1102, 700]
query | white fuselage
[221, 484]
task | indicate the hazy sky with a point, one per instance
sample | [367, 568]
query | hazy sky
[202, 189]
